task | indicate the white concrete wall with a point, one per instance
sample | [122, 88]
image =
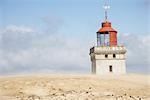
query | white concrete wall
[100, 63]
[118, 66]
[94, 67]
[110, 56]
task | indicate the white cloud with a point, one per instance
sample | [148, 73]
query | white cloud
[16, 38]
[138, 50]
[15, 29]
[23, 50]
[34, 54]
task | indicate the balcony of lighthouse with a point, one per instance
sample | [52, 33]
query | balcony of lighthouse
[108, 50]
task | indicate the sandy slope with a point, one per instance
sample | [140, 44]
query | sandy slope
[75, 87]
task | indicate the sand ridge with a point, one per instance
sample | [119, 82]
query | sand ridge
[75, 87]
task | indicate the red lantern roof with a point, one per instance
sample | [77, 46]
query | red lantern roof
[106, 27]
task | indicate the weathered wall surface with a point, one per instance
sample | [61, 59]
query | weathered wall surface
[118, 66]
[101, 64]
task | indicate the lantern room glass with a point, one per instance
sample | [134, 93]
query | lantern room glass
[103, 39]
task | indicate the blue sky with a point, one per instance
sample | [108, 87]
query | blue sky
[83, 15]
[75, 20]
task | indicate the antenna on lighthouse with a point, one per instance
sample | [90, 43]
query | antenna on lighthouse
[106, 8]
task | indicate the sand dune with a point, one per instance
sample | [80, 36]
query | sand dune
[75, 87]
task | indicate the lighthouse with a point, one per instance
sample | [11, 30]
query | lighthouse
[107, 57]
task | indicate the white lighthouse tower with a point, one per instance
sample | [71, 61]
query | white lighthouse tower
[107, 57]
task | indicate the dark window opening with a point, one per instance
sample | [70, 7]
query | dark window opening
[110, 69]
[114, 55]
[106, 56]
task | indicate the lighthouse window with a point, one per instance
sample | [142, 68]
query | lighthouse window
[110, 68]
[114, 55]
[106, 56]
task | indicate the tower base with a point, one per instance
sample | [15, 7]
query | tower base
[108, 60]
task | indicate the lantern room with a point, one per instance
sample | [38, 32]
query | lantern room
[106, 36]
